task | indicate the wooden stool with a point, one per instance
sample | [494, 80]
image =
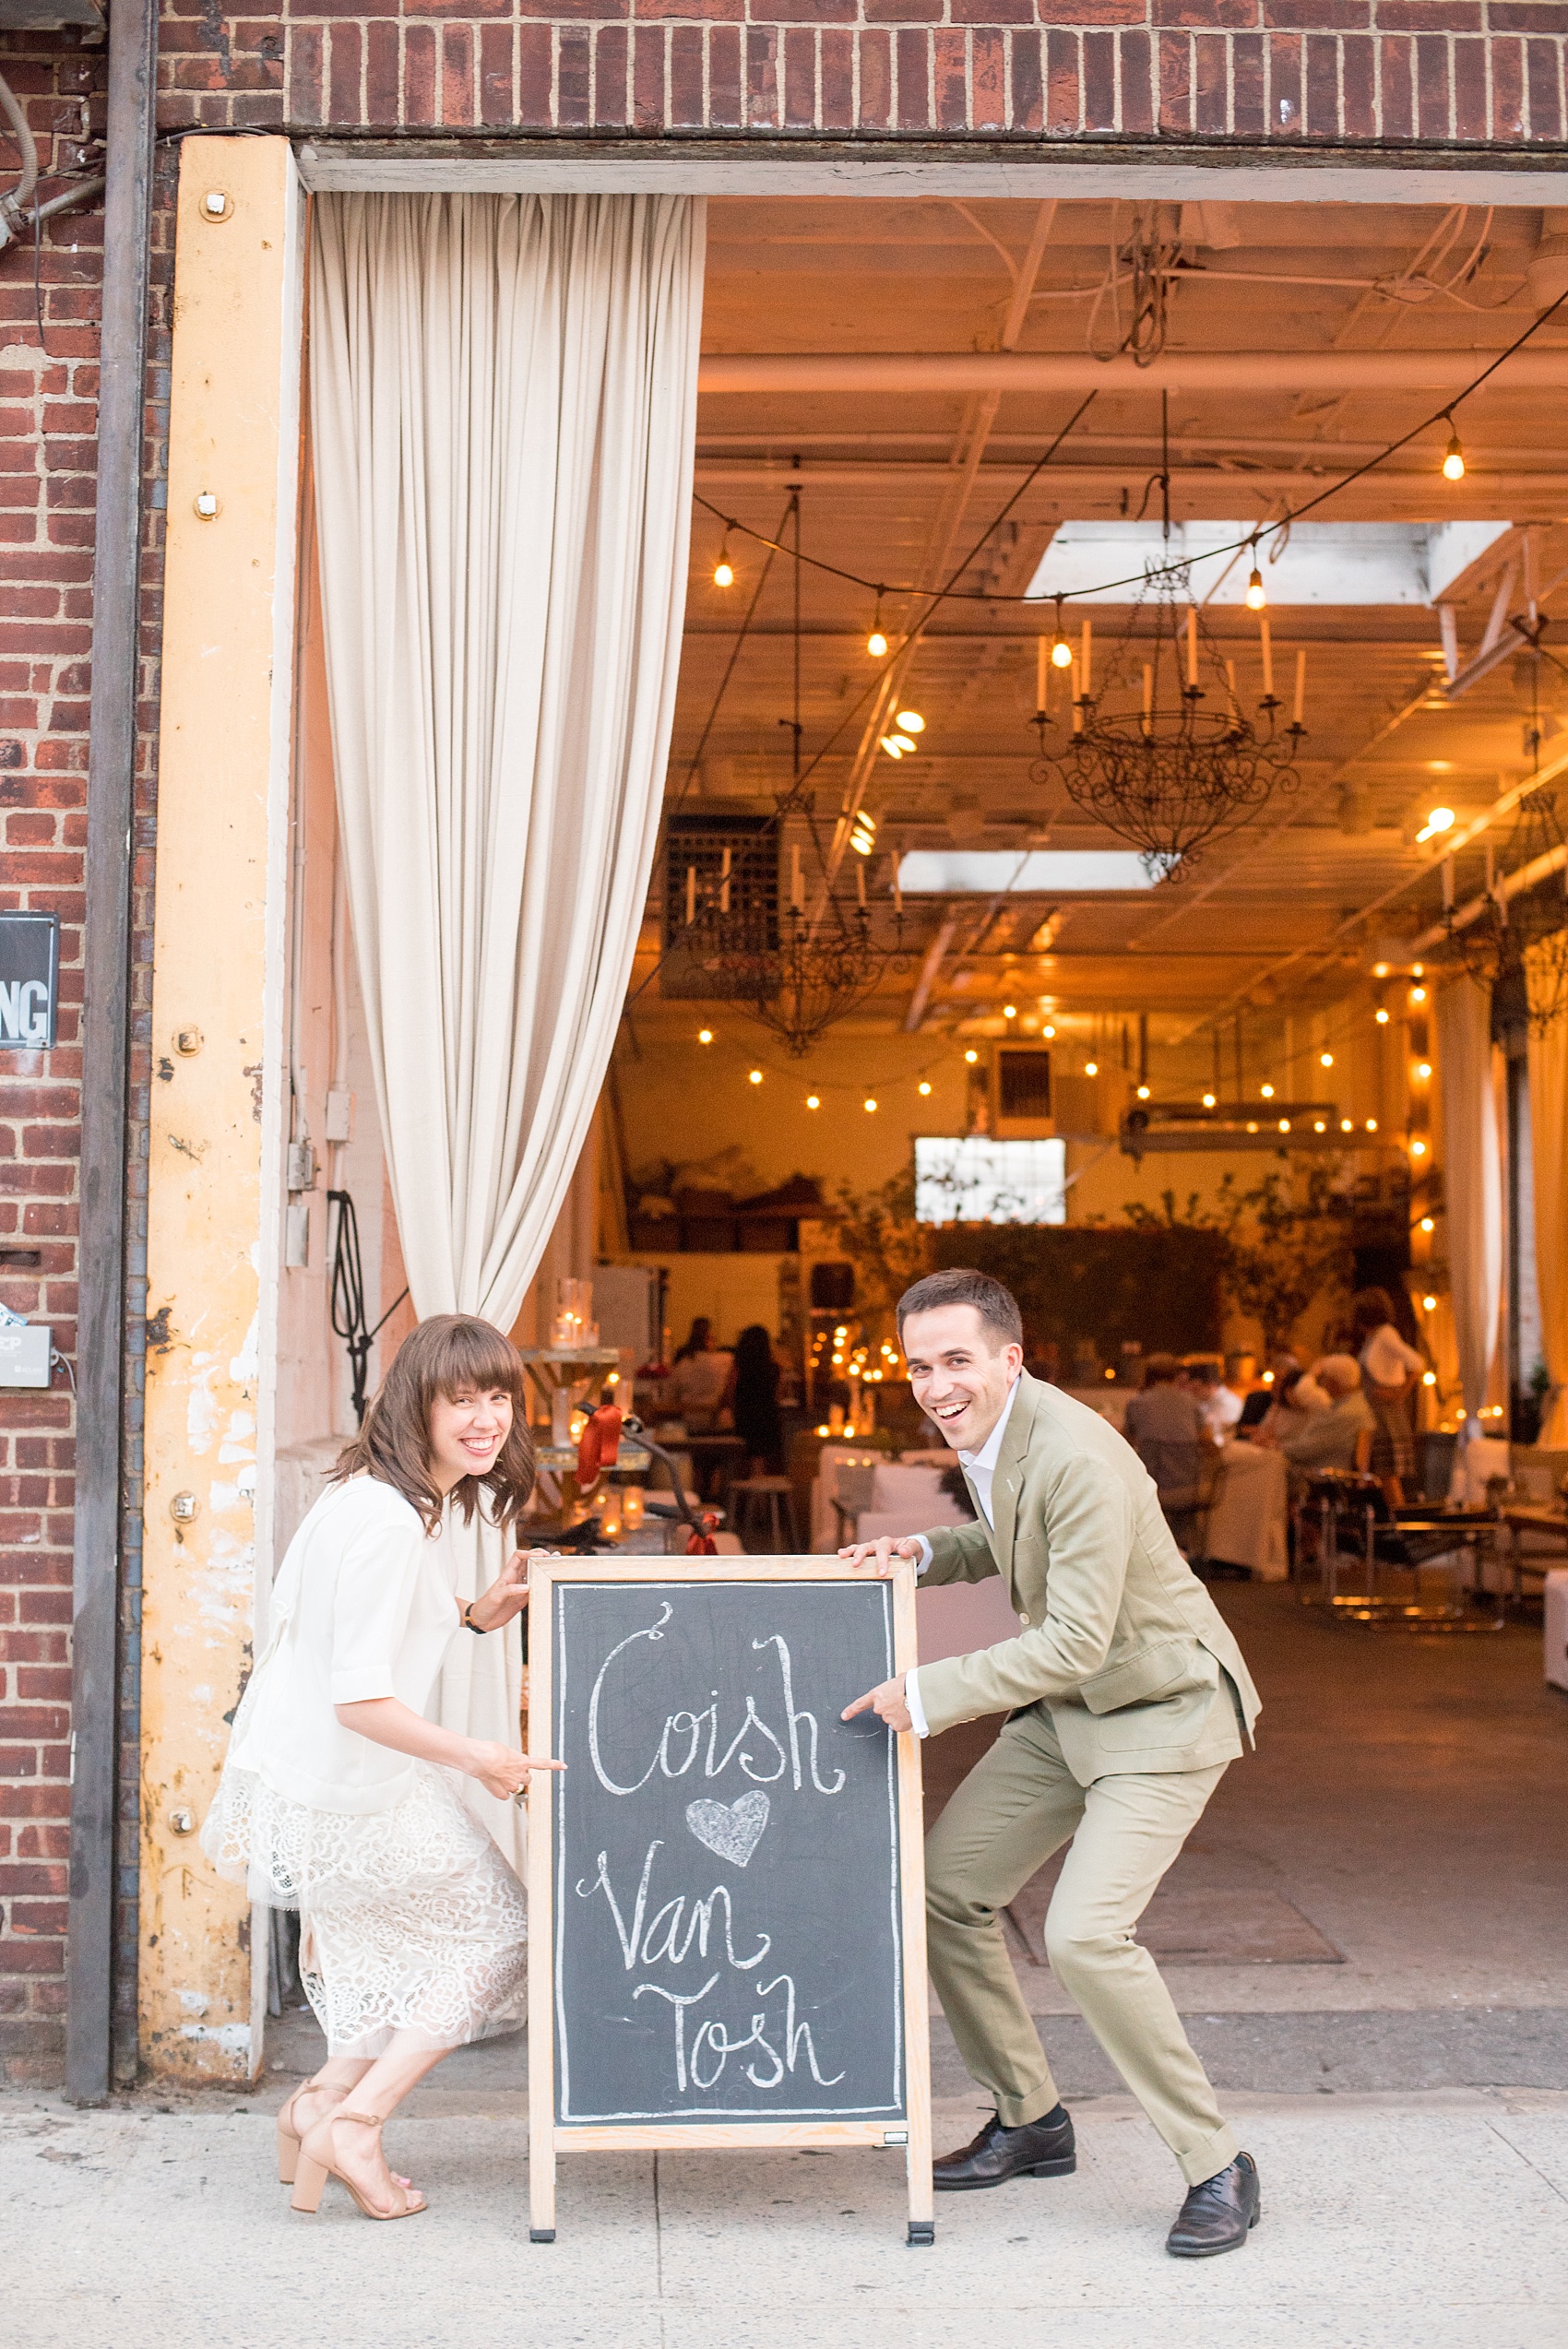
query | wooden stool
[770, 1500]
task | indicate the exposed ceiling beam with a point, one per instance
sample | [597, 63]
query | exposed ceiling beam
[1513, 884]
[1460, 837]
[1478, 489]
[935, 956]
[1286, 372]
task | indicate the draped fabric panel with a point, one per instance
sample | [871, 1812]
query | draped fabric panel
[503, 398]
[1472, 1182]
[1549, 1120]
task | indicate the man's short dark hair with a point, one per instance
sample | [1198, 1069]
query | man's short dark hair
[997, 1307]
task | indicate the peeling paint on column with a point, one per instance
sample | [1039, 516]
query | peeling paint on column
[212, 1185]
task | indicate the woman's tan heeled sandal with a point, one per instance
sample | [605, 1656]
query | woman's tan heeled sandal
[311, 2176]
[289, 2131]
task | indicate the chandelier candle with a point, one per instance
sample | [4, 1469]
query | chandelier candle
[1085, 686]
[1266, 642]
[1042, 674]
[1192, 648]
[1301, 683]
[797, 885]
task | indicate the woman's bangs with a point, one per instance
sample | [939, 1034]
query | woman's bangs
[474, 1357]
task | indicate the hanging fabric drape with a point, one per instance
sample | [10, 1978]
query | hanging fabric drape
[1472, 1183]
[1549, 1117]
[504, 402]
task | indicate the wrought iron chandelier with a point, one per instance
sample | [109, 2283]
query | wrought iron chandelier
[800, 970]
[1162, 753]
[1515, 939]
[798, 967]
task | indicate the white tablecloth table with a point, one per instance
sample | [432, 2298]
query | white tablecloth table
[1246, 1517]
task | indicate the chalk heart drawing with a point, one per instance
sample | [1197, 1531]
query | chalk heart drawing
[733, 1830]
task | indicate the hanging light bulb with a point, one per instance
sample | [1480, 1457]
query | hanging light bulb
[1257, 595]
[1061, 650]
[724, 570]
[862, 834]
[1454, 456]
[876, 643]
[911, 722]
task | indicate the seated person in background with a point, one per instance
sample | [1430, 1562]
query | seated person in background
[694, 1388]
[1263, 1399]
[1164, 1425]
[1338, 1438]
[1218, 1408]
[1293, 1397]
[1241, 1377]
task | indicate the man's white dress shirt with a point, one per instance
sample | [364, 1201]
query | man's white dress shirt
[1220, 1411]
[981, 1466]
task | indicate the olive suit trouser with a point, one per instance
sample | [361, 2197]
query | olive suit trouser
[1015, 1808]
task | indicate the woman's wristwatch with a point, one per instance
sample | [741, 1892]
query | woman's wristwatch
[468, 1624]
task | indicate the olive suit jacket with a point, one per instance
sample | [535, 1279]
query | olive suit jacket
[1118, 1640]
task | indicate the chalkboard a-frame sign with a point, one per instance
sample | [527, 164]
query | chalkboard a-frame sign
[725, 1885]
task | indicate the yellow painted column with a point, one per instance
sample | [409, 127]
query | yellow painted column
[214, 1197]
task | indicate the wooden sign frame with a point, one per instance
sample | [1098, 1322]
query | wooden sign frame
[546, 2137]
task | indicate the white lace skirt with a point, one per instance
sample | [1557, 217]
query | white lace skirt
[410, 1921]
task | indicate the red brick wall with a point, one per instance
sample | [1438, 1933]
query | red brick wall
[1435, 72]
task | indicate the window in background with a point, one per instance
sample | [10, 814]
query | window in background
[973, 1180]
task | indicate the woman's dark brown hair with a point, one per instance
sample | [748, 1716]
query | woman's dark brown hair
[449, 1355]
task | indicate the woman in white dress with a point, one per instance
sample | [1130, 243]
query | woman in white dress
[341, 1800]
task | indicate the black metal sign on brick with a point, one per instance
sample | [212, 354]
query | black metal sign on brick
[30, 980]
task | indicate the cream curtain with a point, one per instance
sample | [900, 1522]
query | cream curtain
[1549, 1120]
[503, 398]
[1472, 1182]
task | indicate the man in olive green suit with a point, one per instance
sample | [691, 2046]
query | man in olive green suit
[1126, 1698]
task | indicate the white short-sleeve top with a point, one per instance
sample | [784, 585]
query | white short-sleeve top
[1386, 1359]
[363, 1606]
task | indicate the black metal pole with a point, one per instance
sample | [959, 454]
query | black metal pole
[116, 583]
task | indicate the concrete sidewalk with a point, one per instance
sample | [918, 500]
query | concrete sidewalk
[1409, 2222]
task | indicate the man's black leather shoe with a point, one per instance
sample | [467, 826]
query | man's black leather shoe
[1038, 2150]
[1217, 2215]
